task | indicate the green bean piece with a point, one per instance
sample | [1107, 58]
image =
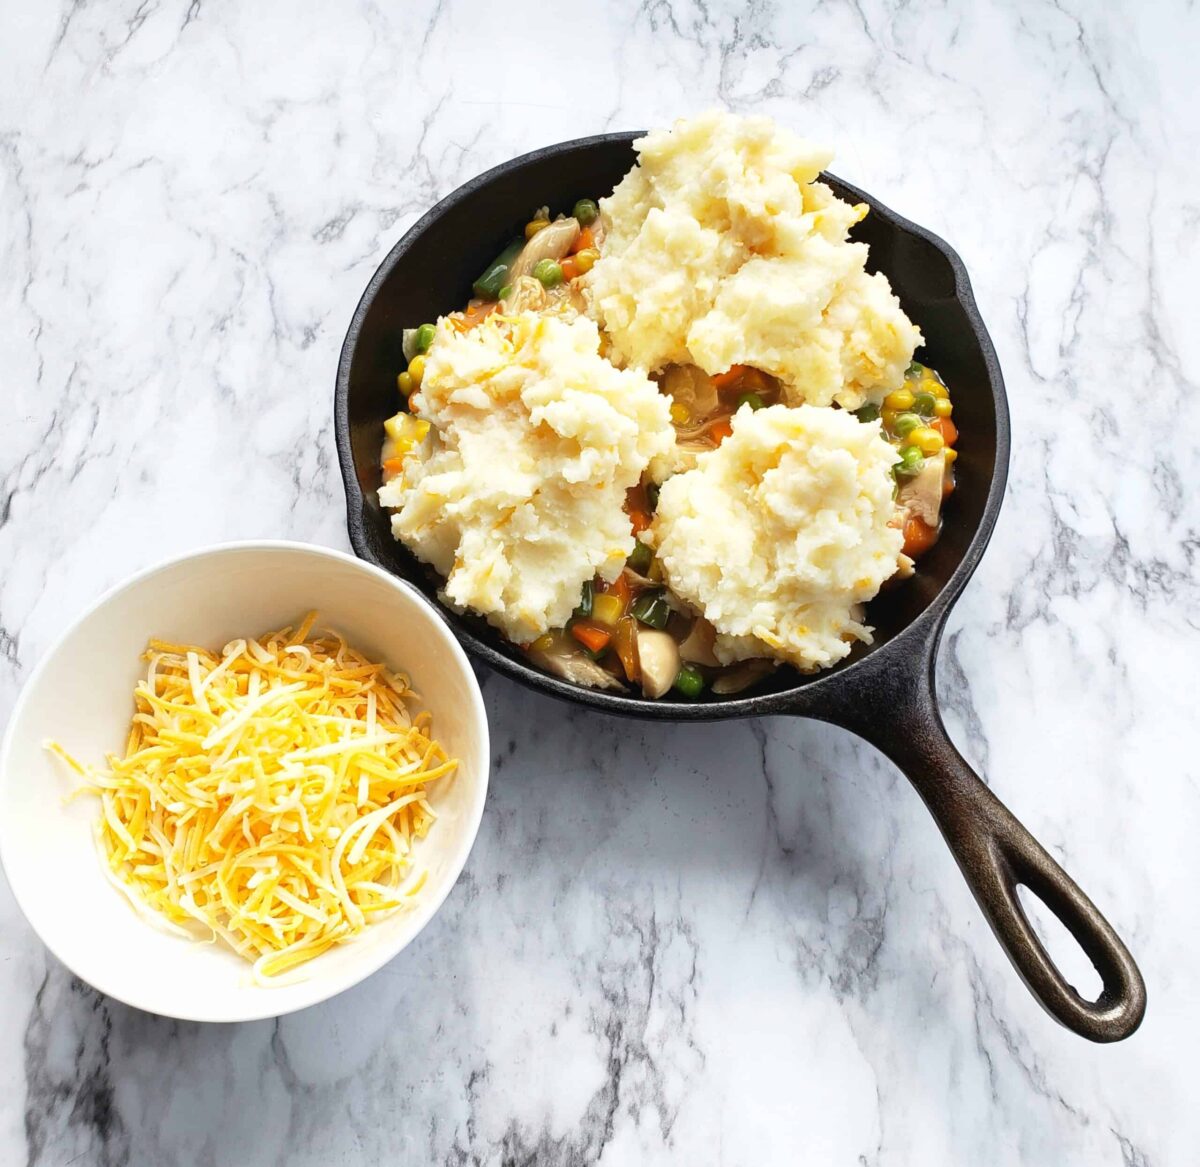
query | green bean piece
[488, 286]
[641, 558]
[585, 600]
[751, 399]
[652, 495]
[652, 609]
[867, 413]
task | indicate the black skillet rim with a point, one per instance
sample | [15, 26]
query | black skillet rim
[909, 639]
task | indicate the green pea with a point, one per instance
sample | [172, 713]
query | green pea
[751, 399]
[867, 413]
[548, 273]
[424, 338]
[905, 424]
[914, 370]
[923, 404]
[586, 211]
[911, 461]
[689, 682]
[641, 558]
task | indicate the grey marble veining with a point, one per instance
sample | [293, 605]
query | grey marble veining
[737, 944]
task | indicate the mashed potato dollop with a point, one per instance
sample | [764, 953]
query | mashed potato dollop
[779, 535]
[515, 495]
[721, 248]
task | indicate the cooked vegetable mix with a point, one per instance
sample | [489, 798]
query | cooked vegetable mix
[634, 631]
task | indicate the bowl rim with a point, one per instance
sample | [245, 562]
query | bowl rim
[806, 694]
[320, 990]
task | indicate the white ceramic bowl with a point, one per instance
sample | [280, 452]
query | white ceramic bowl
[81, 695]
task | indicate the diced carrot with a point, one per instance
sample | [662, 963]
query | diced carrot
[393, 465]
[719, 431]
[477, 313]
[919, 536]
[584, 240]
[637, 507]
[731, 376]
[620, 588]
[946, 428]
[756, 381]
[592, 638]
[570, 269]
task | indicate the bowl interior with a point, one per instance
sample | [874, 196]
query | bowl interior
[430, 271]
[81, 695]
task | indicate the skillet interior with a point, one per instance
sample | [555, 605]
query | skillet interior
[429, 273]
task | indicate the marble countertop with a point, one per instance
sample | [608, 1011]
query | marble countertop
[735, 944]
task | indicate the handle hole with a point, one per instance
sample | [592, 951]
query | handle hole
[1063, 948]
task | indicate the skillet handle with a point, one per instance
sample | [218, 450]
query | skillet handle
[996, 854]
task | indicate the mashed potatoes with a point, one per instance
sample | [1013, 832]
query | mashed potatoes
[779, 534]
[516, 493]
[721, 248]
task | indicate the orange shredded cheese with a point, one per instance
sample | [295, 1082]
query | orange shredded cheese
[269, 796]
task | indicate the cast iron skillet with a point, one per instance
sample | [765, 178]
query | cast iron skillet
[878, 689]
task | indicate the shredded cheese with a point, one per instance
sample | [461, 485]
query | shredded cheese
[269, 797]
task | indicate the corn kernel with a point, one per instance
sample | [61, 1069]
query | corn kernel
[544, 643]
[942, 407]
[927, 440]
[679, 413]
[405, 384]
[951, 454]
[888, 417]
[934, 386]
[899, 400]
[534, 226]
[405, 430]
[607, 609]
[416, 369]
[585, 260]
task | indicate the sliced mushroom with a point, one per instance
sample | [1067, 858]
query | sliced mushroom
[659, 657]
[742, 677]
[574, 666]
[690, 387]
[551, 242]
[921, 495]
[697, 646]
[527, 295]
